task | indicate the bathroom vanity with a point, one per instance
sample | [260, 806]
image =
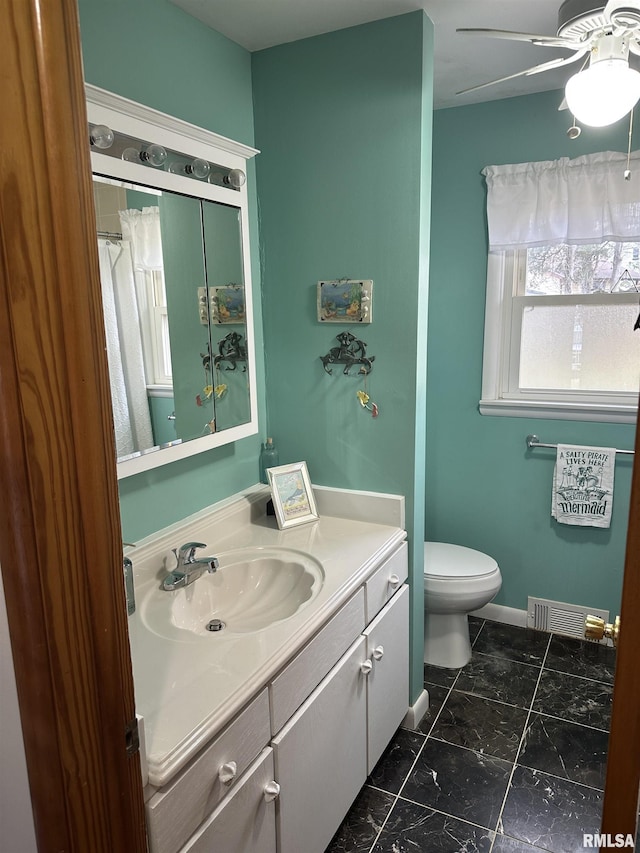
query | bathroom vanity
[260, 735]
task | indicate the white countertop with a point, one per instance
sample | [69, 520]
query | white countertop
[188, 690]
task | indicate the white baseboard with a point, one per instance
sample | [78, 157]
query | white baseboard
[416, 712]
[500, 613]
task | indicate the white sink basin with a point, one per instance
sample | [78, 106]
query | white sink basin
[252, 589]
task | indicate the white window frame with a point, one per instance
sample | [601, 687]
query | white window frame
[500, 395]
[158, 328]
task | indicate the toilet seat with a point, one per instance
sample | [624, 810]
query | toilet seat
[443, 560]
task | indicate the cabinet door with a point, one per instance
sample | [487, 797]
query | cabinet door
[388, 682]
[245, 820]
[304, 673]
[321, 757]
[177, 810]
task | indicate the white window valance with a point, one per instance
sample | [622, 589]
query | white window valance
[585, 200]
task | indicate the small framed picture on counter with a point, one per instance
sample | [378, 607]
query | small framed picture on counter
[292, 495]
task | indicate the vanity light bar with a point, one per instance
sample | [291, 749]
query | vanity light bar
[123, 147]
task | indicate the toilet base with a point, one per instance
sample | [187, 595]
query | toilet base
[446, 640]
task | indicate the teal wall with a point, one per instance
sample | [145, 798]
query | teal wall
[163, 428]
[152, 52]
[156, 54]
[344, 123]
[483, 489]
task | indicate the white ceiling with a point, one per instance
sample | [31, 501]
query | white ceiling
[460, 60]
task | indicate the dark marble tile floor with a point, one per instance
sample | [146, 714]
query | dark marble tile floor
[509, 759]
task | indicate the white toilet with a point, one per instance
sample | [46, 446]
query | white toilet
[457, 580]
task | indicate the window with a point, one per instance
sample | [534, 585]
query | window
[559, 332]
[159, 371]
[563, 287]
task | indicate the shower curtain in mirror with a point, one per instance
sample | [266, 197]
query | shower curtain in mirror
[131, 417]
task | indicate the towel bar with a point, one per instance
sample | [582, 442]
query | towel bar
[533, 441]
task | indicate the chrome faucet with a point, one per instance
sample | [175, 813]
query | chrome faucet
[188, 566]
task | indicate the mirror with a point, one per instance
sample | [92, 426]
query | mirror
[174, 267]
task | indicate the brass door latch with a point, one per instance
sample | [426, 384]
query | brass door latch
[596, 628]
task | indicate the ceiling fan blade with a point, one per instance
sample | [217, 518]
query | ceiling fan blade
[537, 69]
[544, 41]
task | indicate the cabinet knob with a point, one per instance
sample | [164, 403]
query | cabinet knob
[378, 652]
[271, 791]
[394, 580]
[366, 667]
[227, 772]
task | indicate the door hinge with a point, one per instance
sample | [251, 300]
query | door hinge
[132, 737]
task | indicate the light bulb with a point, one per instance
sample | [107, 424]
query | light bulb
[235, 178]
[101, 136]
[198, 168]
[155, 155]
[603, 93]
[177, 168]
[131, 155]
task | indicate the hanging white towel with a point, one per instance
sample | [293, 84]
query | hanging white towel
[583, 485]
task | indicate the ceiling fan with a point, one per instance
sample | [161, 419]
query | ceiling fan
[605, 89]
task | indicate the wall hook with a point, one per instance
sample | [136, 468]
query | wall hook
[350, 352]
[231, 350]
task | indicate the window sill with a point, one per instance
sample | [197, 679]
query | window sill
[160, 390]
[602, 413]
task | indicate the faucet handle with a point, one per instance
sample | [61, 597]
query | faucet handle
[186, 553]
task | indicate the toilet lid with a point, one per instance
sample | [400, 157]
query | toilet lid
[455, 561]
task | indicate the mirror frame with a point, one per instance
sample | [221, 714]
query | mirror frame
[136, 120]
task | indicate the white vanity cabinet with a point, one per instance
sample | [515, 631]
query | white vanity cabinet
[325, 752]
[282, 775]
[388, 681]
[301, 676]
[245, 821]
[178, 809]
[321, 757]
[386, 581]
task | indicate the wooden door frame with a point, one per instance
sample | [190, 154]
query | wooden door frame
[623, 762]
[60, 541]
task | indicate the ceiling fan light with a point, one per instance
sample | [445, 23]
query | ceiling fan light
[603, 93]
